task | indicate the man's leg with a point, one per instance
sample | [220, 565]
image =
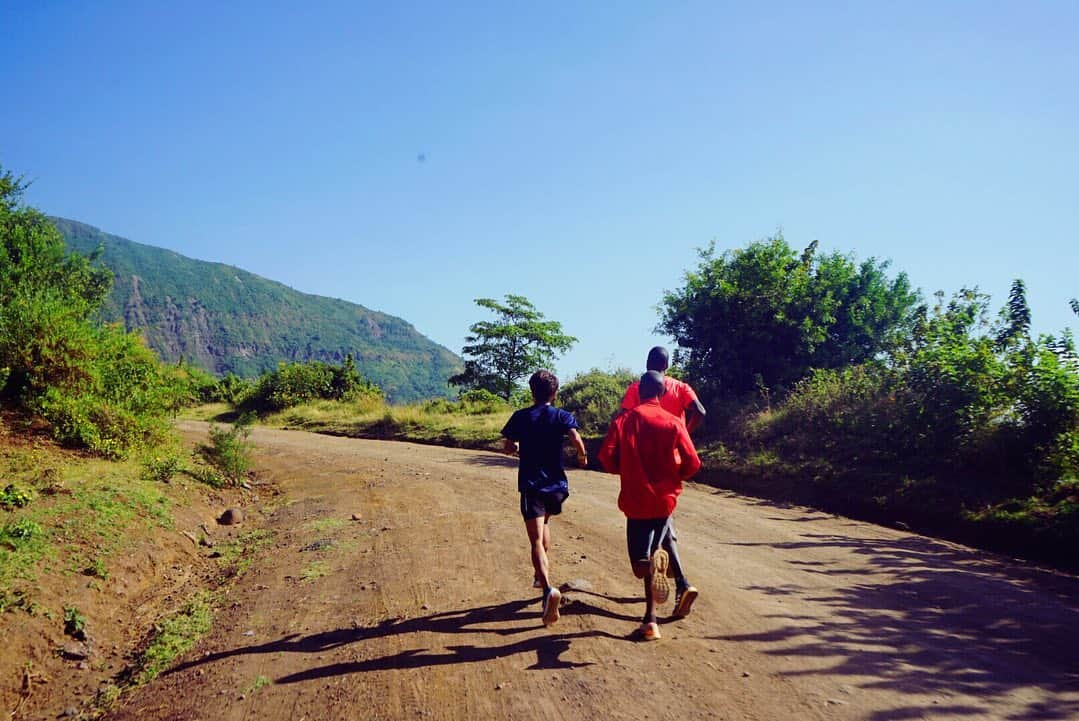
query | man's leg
[670, 545]
[641, 539]
[685, 593]
[536, 583]
[536, 529]
[552, 598]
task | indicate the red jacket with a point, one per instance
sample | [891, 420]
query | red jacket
[650, 449]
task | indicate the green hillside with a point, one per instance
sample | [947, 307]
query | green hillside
[226, 319]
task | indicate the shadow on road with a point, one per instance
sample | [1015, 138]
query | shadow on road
[930, 618]
[505, 619]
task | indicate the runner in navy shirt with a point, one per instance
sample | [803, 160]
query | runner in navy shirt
[536, 434]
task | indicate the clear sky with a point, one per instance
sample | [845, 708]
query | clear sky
[412, 157]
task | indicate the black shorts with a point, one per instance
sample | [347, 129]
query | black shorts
[644, 536]
[537, 503]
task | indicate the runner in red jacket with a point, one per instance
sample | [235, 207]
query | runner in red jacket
[652, 453]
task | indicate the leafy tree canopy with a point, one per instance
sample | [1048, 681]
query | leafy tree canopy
[764, 315]
[96, 386]
[501, 352]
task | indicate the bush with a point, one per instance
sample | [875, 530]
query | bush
[594, 397]
[97, 387]
[293, 384]
[15, 497]
[230, 451]
[161, 468]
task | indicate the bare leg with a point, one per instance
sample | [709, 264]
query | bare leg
[547, 534]
[536, 533]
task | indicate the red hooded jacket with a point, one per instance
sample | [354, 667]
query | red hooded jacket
[652, 452]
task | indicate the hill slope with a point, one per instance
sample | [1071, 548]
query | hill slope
[225, 319]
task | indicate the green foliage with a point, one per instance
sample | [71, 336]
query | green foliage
[97, 569]
[476, 402]
[161, 468]
[229, 389]
[20, 532]
[513, 346]
[74, 622]
[293, 384]
[240, 323]
[594, 397]
[173, 636]
[230, 451]
[762, 316]
[14, 496]
[995, 413]
[97, 386]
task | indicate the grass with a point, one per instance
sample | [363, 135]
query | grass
[240, 553]
[325, 525]
[77, 503]
[258, 683]
[314, 570]
[173, 636]
[369, 418]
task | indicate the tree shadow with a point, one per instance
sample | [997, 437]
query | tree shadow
[929, 617]
[491, 460]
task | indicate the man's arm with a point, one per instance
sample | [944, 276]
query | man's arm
[694, 415]
[691, 462]
[608, 452]
[578, 443]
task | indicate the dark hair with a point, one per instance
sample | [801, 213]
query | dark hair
[658, 359]
[544, 385]
[651, 385]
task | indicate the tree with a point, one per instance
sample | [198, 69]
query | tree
[763, 316]
[95, 386]
[514, 345]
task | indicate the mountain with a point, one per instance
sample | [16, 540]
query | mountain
[225, 319]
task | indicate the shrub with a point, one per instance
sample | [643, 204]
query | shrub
[15, 497]
[161, 468]
[230, 451]
[293, 384]
[96, 386]
[594, 397]
[74, 622]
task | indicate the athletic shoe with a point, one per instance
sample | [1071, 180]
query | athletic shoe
[683, 601]
[551, 602]
[661, 587]
[650, 631]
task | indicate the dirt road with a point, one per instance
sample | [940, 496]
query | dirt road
[424, 609]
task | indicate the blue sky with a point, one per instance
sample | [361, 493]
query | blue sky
[576, 155]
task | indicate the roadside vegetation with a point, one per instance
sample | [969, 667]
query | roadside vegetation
[828, 381]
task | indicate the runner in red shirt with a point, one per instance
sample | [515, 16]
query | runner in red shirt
[651, 451]
[681, 401]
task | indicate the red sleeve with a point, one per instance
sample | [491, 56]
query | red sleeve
[686, 394]
[632, 398]
[608, 452]
[691, 462]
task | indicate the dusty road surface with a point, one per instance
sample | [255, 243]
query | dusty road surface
[423, 609]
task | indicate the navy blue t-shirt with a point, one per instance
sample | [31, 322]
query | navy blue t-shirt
[540, 430]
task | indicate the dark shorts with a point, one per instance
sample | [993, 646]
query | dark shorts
[536, 503]
[643, 536]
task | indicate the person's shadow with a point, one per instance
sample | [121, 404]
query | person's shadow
[492, 619]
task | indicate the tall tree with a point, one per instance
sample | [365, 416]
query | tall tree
[501, 352]
[764, 315]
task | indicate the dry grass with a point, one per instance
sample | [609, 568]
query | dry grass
[368, 418]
